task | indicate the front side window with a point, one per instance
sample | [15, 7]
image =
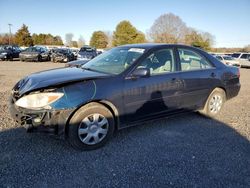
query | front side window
[114, 61]
[236, 55]
[159, 62]
[191, 60]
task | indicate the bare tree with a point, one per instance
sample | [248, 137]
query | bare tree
[69, 39]
[168, 28]
[109, 34]
[209, 37]
[81, 42]
[246, 48]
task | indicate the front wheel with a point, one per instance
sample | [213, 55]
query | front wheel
[90, 127]
[39, 58]
[214, 103]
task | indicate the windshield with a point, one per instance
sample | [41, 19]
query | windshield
[114, 61]
[236, 55]
[228, 58]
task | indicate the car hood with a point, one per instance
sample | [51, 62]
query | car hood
[54, 77]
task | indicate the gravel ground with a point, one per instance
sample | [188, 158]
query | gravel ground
[185, 151]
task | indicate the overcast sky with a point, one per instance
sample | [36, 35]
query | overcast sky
[227, 20]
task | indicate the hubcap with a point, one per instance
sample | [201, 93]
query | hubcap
[93, 129]
[215, 104]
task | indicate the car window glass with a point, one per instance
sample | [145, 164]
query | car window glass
[236, 55]
[190, 60]
[115, 61]
[219, 57]
[159, 62]
[243, 56]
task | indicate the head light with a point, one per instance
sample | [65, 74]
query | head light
[4, 53]
[38, 100]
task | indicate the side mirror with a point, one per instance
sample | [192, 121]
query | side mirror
[140, 73]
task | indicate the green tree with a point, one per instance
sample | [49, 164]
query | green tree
[126, 33]
[22, 36]
[57, 40]
[99, 40]
[46, 39]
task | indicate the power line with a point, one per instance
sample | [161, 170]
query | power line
[10, 25]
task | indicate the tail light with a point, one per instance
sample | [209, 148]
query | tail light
[238, 73]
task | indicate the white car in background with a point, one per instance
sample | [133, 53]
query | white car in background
[243, 58]
[228, 60]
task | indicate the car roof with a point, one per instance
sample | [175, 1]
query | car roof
[155, 45]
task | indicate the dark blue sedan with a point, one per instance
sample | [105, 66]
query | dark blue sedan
[122, 87]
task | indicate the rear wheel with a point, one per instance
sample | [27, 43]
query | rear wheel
[90, 127]
[214, 103]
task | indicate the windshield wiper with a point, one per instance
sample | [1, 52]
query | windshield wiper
[86, 68]
[89, 69]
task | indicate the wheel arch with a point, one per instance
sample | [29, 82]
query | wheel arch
[109, 105]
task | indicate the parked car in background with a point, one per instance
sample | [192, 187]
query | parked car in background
[243, 58]
[9, 52]
[35, 54]
[86, 53]
[76, 63]
[228, 60]
[122, 87]
[62, 55]
[75, 52]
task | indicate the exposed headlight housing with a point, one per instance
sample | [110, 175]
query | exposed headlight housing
[38, 100]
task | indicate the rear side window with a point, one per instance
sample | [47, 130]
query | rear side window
[191, 60]
[244, 56]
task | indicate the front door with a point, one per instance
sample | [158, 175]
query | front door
[156, 94]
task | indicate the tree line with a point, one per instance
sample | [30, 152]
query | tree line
[168, 28]
[23, 38]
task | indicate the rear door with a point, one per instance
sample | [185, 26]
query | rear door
[156, 94]
[198, 75]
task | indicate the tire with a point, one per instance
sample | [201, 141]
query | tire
[90, 127]
[214, 103]
[39, 58]
[10, 58]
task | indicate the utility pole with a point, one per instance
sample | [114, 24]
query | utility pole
[10, 25]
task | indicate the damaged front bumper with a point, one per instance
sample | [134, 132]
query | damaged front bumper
[50, 121]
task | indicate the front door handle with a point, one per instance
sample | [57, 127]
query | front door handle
[213, 75]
